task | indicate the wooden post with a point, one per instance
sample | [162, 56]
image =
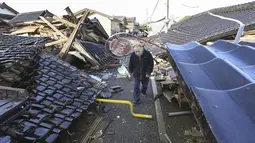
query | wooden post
[70, 24]
[70, 13]
[53, 27]
[55, 42]
[70, 40]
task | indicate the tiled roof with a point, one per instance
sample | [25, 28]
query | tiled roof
[30, 16]
[20, 40]
[59, 92]
[221, 79]
[203, 27]
[98, 52]
[4, 5]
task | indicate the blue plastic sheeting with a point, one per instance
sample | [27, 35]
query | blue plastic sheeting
[221, 77]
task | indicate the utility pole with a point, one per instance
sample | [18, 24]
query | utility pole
[147, 15]
[167, 15]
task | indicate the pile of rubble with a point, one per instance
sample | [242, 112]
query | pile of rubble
[41, 93]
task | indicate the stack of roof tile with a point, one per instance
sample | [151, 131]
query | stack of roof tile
[60, 92]
[98, 52]
[17, 62]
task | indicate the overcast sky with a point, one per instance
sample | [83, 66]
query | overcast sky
[136, 8]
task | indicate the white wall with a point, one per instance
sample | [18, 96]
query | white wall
[105, 22]
[156, 27]
[6, 11]
[115, 27]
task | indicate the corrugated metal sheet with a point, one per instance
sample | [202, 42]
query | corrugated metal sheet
[252, 44]
[220, 79]
[204, 27]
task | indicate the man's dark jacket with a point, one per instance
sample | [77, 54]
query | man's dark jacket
[140, 66]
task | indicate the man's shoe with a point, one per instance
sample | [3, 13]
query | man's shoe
[136, 103]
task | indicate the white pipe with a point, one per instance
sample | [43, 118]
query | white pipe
[240, 30]
[179, 113]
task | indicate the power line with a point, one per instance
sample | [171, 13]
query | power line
[189, 6]
[154, 8]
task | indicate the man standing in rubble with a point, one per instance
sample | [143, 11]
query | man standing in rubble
[141, 66]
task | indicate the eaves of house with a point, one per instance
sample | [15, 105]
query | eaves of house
[203, 27]
[30, 16]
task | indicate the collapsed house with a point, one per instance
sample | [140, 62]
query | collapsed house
[42, 94]
[216, 78]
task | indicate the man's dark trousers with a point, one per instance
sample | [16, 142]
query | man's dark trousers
[137, 90]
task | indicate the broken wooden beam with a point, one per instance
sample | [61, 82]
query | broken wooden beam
[27, 29]
[70, 13]
[12, 89]
[67, 23]
[53, 27]
[70, 40]
[55, 42]
[92, 130]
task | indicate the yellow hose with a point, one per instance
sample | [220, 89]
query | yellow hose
[125, 102]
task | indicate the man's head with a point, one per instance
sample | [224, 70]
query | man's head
[138, 49]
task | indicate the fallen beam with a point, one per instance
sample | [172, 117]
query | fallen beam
[53, 27]
[70, 40]
[27, 29]
[55, 42]
[96, 122]
[70, 13]
[67, 23]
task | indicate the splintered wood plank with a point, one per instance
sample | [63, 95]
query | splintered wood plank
[55, 42]
[53, 27]
[27, 29]
[70, 40]
[70, 13]
[70, 24]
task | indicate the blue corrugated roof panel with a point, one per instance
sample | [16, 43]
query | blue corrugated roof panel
[221, 79]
